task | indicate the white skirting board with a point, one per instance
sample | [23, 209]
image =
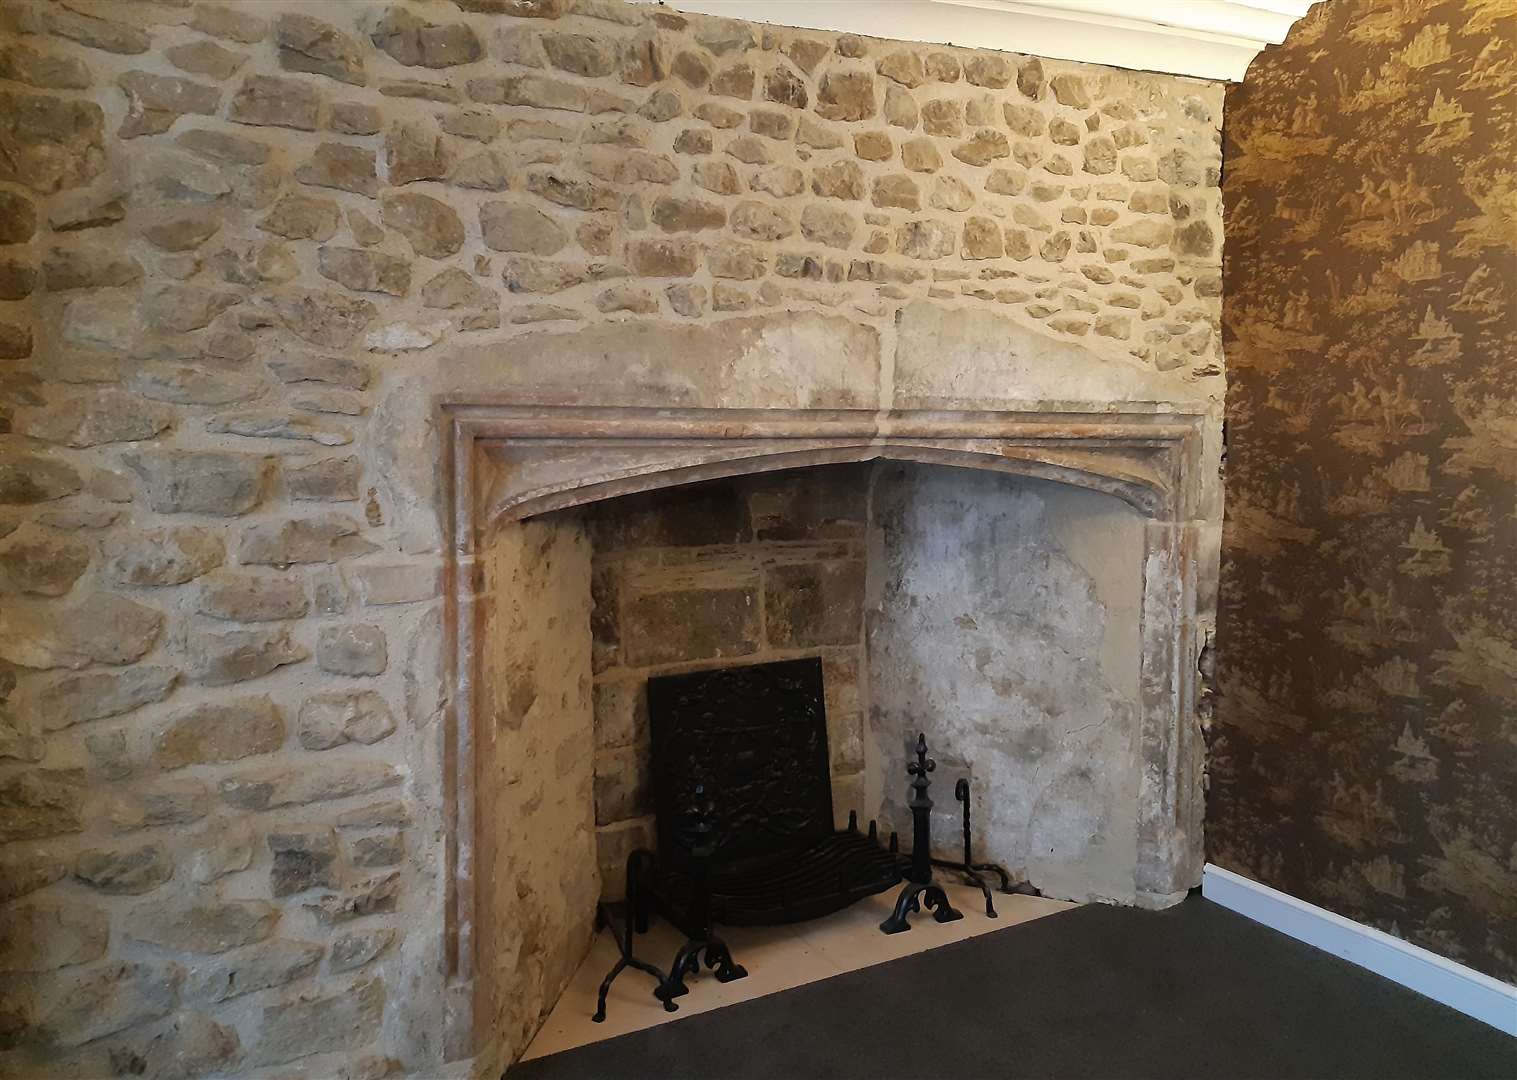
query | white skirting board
[1431, 975]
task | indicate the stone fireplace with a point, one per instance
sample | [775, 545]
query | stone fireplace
[343, 346]
[1020, 584]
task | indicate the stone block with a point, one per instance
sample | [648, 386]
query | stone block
[335, 717]
[623, 783]
[190, 1044]
[219, 732]
[356, 948]
[205, 927]
[221, 658]
[168, 556]
[50, 143]
[101, 629]
[432, 226]
[100, 1001]
[374, 896]
[807, 605]
[25, 873]
[162, 802]
[199, 481]
[274, 786]
[690, 624]
[269, 100]
[248, 598]
[303, 859]
[310, 45]
[48, 934]
[325, 538]
[351, 650]
[316, 1024]
[506, 226]
[41, 562]
[129, 870]
[379, 850]
[248, 970]
[846, 95]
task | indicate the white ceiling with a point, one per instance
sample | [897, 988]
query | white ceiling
[1208, 39]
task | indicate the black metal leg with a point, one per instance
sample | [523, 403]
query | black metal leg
[974, 879]
[605, 986]
[998, 870]
[637, 912]
[937, 901]
[905, 904]
[719, 959]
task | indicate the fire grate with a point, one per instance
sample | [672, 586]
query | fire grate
[756, 737]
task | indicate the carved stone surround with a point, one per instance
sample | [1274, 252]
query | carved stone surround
[504, 462]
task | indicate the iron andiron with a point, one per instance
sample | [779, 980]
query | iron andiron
[974, 872]
[919, 887]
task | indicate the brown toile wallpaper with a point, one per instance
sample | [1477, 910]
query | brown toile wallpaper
[1364, 743]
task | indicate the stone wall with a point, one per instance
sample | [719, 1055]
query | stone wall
[536, 866]
[1003, 619]
[246, 249]
[745, 571]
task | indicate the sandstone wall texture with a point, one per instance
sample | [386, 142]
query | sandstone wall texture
[745, 571]
[244, 250]
[1365, 750]
[538, 884]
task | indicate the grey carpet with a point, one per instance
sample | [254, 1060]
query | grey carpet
[1097, 992]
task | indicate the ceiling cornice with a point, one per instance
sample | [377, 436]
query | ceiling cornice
[1206, 39]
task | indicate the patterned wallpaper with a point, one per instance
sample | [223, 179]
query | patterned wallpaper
[1364, 748]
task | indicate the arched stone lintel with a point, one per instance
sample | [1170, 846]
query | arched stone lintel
[527, 482]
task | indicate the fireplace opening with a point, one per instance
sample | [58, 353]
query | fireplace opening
[1002, 615]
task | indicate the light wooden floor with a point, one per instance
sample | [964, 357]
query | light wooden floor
[777, 958]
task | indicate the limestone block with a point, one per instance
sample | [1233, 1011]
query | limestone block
[246, 598]
[268, 100]
[90, 1004]
[248, 970]
[506, 226]
[25, 873]
[308, 44]
[432, 227]
[47, 934]
[97, 695]
[323, 538]
[373, 896]
[378, 850]
[163, 802]
[413, 41]
[846, 95]
[221, 658]
[205, 927]
[340, 166]
[41, 561]
[274, 786]
[101, 629]
[335, 717]
[356, 948]
[218, 732]
[129, 870]
[303, 859]
[351, 650]
[315, 1024]
[49, 143]
[169, 556]
[327, 480]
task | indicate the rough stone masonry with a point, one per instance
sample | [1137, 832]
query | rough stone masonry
[245, 246]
